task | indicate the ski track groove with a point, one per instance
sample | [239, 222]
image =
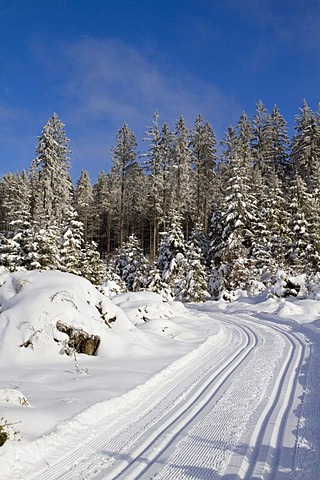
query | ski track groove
[187, 428]
[118, 433]
[221, 440]
[290, 368]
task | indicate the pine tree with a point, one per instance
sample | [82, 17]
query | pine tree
[168, 179]
[155, 283]
[14, 198]
[72, 246]
[231, 251]
[83, 204]
[172, 253]
[306, 148]
[301, 255]
[125, 166]
[259, 140]
[193, 287]
[92, 267]
[50, 181]
[130, 264]
[181, 169]
[42, 247]
[104, 196]
[154, 166]
[10, 253]
[204, 157]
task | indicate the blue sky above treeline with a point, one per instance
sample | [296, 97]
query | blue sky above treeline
[100, 63]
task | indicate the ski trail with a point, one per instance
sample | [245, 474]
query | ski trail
[224, 411]
[179, 393]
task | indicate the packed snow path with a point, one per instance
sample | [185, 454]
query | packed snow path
[232, 409]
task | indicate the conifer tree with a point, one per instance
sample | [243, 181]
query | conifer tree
[125, 166]
[181, 170]
[204, 157]
[172, 252]
[41, 247]
[166, 144]
[301, 255]
[306, 148]
[231, 250]
[14, 198]
[50, 181]
[130, 264]
[153, 166]
[72, 245]
[92, 267]
[193, 286]
[83, 204]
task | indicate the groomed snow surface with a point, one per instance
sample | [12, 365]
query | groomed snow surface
[213, 391]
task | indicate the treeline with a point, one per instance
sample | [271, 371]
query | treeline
[180, 211]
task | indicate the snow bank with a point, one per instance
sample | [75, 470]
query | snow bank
[45, 381]
[40, 309]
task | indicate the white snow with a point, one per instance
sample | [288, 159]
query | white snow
[165, 378]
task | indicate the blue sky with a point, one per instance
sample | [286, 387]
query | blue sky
[100, 63]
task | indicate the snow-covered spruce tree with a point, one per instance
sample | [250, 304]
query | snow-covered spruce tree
[270, 141]
[83, 204]
[181, 170]
[172, 253]
[14, 199]
[305, 152]
[154, 182]
[277, 142]
[92, 267]
[204, 157]
[51, 186]
[261, 259]
[193, 287]
[131, 265]
[104, 194]
[124, 167]
[231, 251]
[302, 256]
[156, 284]
[41, 247]
[153, 165]
[10, 253]
[258, 140]
[113, 284]
[201, 241]
[168, 178]
[72, 245]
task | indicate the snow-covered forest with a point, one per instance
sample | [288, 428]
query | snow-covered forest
[189, 218]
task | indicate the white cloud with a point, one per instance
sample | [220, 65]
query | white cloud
[110, 79]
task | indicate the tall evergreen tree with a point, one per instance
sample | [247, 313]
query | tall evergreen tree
[49, 171]
[182, 171]
[171, 260]
[306, 148]
[153, 166]
[15, 196]
[125, 166]
[204, 158]
[130, 264]
[83, 203]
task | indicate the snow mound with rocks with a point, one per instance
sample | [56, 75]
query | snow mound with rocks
[54, 313]
[12, 396]
[64, 346]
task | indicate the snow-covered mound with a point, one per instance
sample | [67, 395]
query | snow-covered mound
[152, 314]
[64, 346]
[306, 310]
[53, 313]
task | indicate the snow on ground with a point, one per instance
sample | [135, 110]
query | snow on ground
[43, 382]
[57, 398]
